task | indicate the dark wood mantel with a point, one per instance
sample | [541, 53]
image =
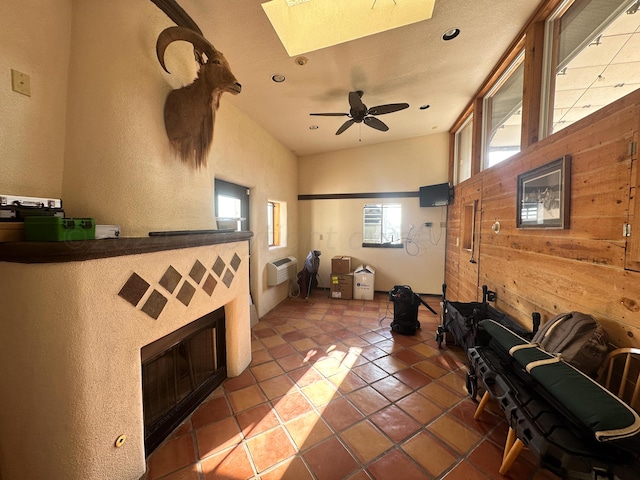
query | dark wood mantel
[56, 252]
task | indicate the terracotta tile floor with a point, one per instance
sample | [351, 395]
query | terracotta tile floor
[332, 394]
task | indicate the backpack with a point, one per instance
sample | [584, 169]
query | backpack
[405, 310]
[577, 337]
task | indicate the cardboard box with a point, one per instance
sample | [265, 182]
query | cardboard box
[342, 286]
[341, 265]
[363, 282]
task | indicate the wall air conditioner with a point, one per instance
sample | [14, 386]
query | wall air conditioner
[281, 270]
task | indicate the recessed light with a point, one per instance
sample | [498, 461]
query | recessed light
[278, 77]
[301, 61]
[450, 34]
[313, 127]
[425, 106]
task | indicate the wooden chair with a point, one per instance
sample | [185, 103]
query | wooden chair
[620, 374]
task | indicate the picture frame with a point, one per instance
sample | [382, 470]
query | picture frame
[544, 195]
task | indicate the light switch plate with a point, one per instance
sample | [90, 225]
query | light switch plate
[20, 82]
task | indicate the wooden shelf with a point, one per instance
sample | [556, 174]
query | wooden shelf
[56, 252]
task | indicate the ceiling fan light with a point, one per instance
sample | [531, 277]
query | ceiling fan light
[450, 34]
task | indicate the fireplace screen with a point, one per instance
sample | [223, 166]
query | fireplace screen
[178, 372]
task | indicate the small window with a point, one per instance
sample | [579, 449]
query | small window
[591, 59]
[231, 206]
[503, 115]
[276, 222]
[382, 225]
[463, 151]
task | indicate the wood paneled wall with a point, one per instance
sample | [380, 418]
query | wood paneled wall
[558, 270]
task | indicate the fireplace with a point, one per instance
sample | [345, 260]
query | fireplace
[178, 372]
[81, 314]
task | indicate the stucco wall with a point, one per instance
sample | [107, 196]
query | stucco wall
[335, 226]
[70, 360]
[35, 40]
[93, 131]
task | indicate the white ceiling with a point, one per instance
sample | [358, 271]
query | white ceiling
[409, 64]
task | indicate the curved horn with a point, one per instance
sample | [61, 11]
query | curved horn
[172, 34]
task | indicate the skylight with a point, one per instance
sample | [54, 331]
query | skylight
[307, 25]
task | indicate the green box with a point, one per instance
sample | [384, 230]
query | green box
[56, 229]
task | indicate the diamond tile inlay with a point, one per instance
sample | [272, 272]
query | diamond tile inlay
[170, 279]
[218, 267]
[185, 294]
[209, 284]
[197, 272]
[235, 262]
[154, 304]
[228, 278]
[134, 289]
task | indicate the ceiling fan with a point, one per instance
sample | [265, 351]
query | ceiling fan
[360, 113]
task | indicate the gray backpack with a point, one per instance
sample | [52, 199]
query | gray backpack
[577, 337]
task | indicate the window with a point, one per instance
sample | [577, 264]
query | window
[502, 127]
[591, 59]
[276, 222]
[463, 150]
[382, 225]
[231, 206]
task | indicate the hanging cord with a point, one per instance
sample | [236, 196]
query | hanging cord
[410, 241]
[443, 219]
[386, 314]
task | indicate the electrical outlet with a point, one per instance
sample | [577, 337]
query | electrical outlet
[20, 82]
[428, 224]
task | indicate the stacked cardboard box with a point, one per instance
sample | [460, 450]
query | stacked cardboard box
[341, 278]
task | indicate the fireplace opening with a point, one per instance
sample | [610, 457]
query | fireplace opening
[178, 372]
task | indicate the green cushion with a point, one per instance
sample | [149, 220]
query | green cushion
[608, 417]
[505, 337]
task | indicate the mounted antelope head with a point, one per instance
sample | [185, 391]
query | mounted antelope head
[189, 112]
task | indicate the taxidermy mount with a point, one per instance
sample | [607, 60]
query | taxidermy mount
[189, 112]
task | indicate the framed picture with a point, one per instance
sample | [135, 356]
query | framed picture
[544, 195]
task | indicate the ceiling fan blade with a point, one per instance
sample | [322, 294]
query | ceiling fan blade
[344, 126]
[373, 122]
[330, 114]
[389, 108]
[355, 101]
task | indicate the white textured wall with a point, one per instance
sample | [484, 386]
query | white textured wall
[35, 39]
[70, 359]
[271, 172]
[119, 168]
[335, 226]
